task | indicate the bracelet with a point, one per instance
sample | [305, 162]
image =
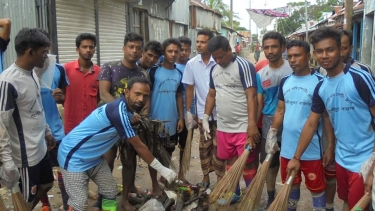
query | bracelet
[295, 158]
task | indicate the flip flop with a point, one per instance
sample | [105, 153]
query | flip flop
[204, 185]
[235, 199]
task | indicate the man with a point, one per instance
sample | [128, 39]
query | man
[150, 55]
[5, 26]
[348, 95]
[257, 51]
[166, 99]
[238, 48]
[53, 92]
[81, 96]
[233, 90]
[330, 172]
[347, 45]
[268, 80]
[81, 150]
[23, 129]
[197, 77]
[113, 79]
[181, 65]
[293, 108]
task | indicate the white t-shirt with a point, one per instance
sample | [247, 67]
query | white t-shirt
[197, 73]
[230, 84]
[22, 117]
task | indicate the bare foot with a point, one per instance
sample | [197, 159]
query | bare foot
[134, 189]
[127, 206]
[181, 177]
[156, 191]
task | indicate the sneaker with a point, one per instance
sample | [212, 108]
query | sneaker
[46, 208]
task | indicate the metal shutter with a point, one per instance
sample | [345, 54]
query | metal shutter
[73, 18]
[112, 29]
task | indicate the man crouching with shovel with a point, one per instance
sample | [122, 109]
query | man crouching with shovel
[81, 150]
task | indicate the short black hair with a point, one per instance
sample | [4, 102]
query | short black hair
[184, 40]
[206, 32]
[132, 36]
[137, 79]
[276, 36]
[324, 33]
[30, 38]
[218, 42]
[349, 34]
[298, 43]
[85, 36]
[43, 32]
[171, 41]
[154, 46]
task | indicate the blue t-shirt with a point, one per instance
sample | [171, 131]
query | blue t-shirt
[51, 112]
[296, 92]
[268, 81]
[165, 85]
[181, 68]
[84, 146]
[3, 47]
[347, 98]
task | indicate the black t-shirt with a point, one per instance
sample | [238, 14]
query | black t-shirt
[116, 73]
[3, 44]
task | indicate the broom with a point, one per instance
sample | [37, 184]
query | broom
[185, 164]
[2, 205]
[253, 193]
[281, 201]
[362, 203]
[227, 185]
[19, 203]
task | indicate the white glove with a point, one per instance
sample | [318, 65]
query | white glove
[206, 126]
[271, 142]
[366, 166]
[9, 174]
[189, 121]
[167, 173]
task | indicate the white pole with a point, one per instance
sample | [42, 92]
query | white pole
[307, 23]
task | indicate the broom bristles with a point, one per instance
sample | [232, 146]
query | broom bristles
[2, 205]
[362, 203]
[19, 203]
[281, 201]
[253, 193]
[227, 185]
[185, 164]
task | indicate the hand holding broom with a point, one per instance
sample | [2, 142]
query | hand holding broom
[253, 193]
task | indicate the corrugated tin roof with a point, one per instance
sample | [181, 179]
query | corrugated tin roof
[203, 6]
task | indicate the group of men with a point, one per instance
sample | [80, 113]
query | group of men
[226, 93]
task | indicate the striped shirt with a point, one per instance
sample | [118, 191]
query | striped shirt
[22, 120]
[84, 146]
[230, 84]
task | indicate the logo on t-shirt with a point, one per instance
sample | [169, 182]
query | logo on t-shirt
[266, 83]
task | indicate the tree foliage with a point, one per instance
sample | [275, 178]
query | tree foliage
[289, 25]
[224, 10]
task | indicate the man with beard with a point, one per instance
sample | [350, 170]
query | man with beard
[81, 150]
[113, 80]
[81, 96]
[150, 55]
[268, 80]
[197, 77]
[348, 95]
[166, 99]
